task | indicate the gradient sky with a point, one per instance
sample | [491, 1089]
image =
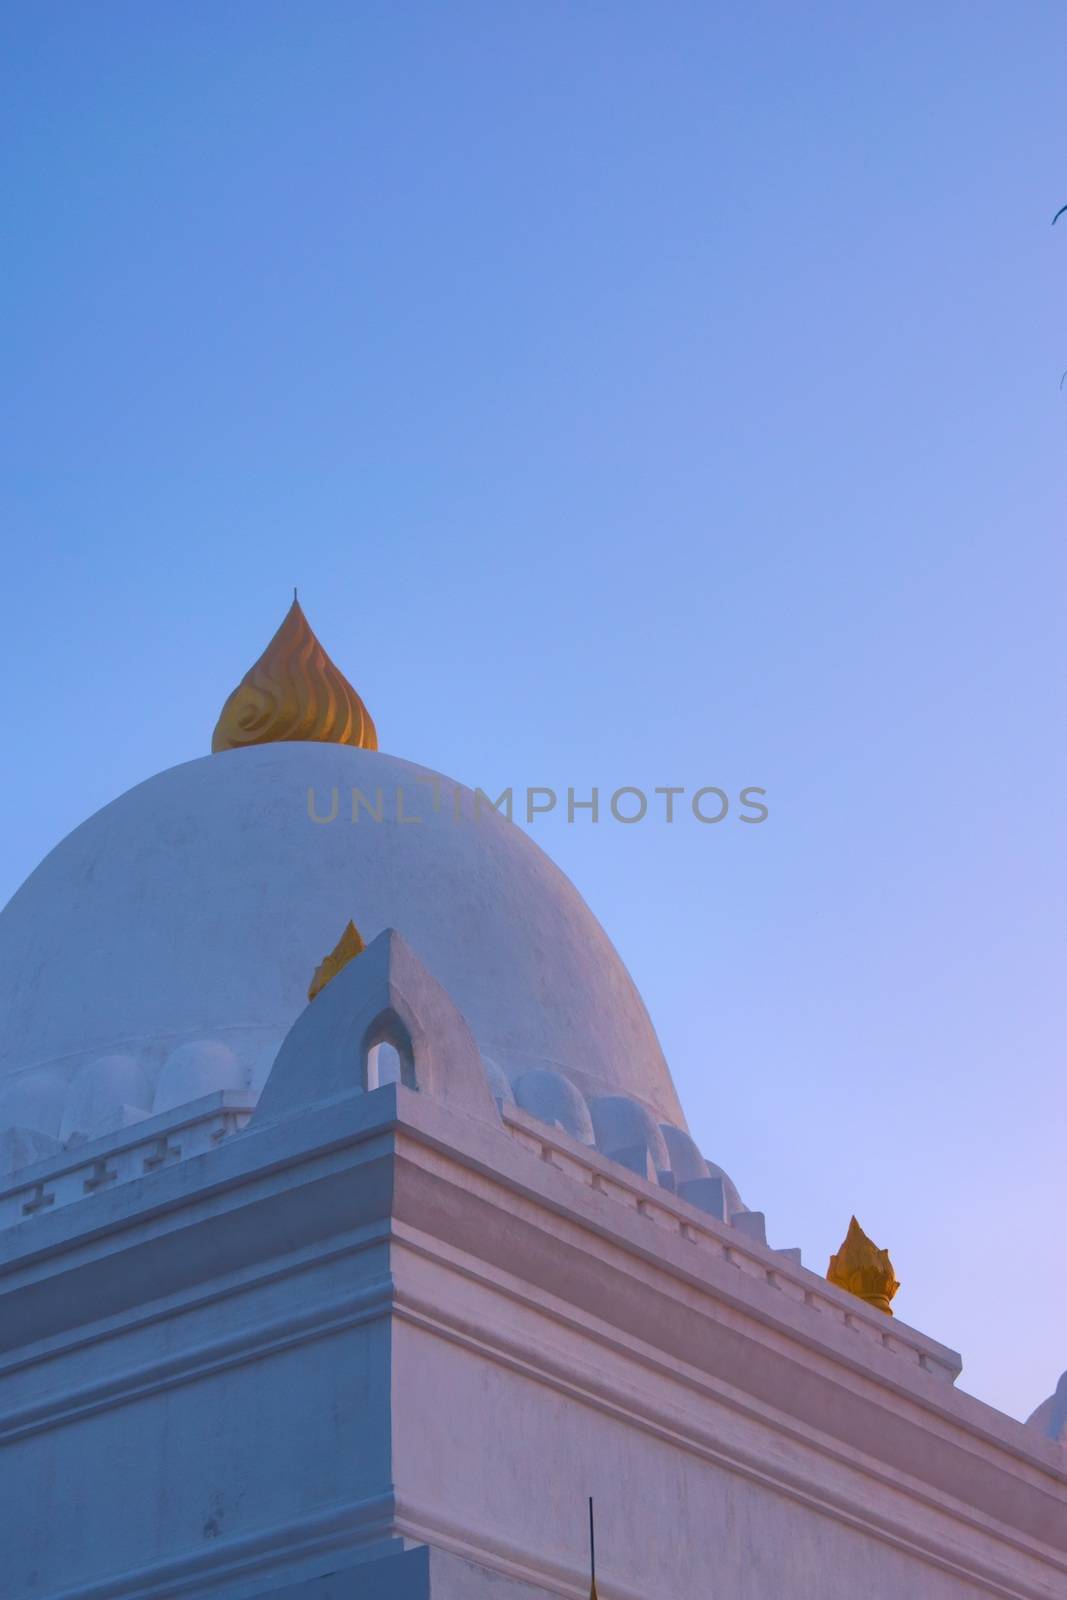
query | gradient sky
[639, 394]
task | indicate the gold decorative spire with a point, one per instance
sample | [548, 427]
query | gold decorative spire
[294, 691]
[348, 946]
[864, 1270]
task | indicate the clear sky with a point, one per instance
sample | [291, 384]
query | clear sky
[639, 394]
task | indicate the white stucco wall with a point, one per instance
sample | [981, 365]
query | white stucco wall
[174, 934]
[381, 1319]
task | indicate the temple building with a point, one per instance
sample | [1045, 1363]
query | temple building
[352, 1235]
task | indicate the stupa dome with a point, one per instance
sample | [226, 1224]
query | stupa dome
[155, 962]
[177, 930]
[1051, 1415]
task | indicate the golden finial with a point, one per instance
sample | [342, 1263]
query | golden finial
[348, 946]
[864, 1270]
[294, 691]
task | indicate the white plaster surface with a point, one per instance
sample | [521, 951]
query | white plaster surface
[191, 913]
[553, 1100]
[386, 995]
[1050, 1417]
[103, 1091]
[200, 1066]
[383, 1319]
[251, 1350]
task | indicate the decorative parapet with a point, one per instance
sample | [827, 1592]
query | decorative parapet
[204, 1124]
[739, 1247]
[120, 1157]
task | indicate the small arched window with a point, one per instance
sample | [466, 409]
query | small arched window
[387, 1055]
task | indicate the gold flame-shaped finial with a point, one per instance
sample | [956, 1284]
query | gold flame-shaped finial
[864, 1270]
[294, 691]
[348, 946]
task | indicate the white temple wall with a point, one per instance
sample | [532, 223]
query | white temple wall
[223, 1433]
[380, 1320]
[495, 1455]
[273, 1448]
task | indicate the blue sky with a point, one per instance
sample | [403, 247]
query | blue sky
[638, 395]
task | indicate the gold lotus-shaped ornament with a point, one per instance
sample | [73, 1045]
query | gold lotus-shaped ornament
[348, 946]
[864, 1270]
[294, 691]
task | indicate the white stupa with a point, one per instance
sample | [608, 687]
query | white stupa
[189, 914]
[364, 1294]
